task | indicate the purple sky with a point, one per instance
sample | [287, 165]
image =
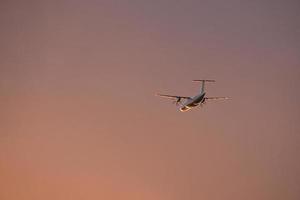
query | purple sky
[79, 118]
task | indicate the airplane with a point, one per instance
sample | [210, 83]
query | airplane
[191, 102]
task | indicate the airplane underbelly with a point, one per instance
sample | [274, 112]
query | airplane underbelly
[192, 105]
[199, 99]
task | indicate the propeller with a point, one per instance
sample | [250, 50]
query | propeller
[203, 103]
[176, 102]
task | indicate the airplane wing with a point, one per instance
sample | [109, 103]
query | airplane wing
[216, 98]
[173, 96]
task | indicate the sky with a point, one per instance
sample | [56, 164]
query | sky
[80, 120]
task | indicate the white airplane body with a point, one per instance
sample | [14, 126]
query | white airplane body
[191, 102]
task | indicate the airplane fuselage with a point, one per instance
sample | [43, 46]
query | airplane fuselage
[193, 102]
[187, 102]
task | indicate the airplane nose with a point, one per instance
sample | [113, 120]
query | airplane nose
[183, 109]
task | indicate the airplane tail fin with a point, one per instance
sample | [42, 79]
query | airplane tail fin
[203, 83]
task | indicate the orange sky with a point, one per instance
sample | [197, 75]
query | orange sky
[79, 119]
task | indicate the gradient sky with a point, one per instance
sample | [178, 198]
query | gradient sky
[79, 119]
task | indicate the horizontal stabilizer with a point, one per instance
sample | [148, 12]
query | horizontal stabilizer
[205, 80]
